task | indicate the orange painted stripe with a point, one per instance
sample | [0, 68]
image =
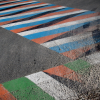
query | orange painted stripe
[51, 14]
[46, 38]
[5, 95]
[15, 3]
[63, 71]
[78, 18]
[22, 29]
[74, 54]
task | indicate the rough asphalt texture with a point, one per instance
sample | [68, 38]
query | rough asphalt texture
[93, 5]
[20, 57]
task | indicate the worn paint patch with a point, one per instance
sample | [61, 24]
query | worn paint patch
[62, 71]
[78, 65]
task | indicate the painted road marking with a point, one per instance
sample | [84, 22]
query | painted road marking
[47, 29]
[23, 88]
[51, 86]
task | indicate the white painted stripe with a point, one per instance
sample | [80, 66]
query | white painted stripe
[66, 40]
[58, 26]
[9, 1]
[39, 77]
[19, 3]
[94, 58]
[25, 8]
[30, 13]
[39, 19]
[54, 88]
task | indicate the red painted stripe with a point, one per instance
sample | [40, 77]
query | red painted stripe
[63, 71]
[5, 95]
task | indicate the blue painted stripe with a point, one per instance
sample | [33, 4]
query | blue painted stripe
[75, 45]
[55, 31]
[9, 12]
[17, 5]
[41, 22]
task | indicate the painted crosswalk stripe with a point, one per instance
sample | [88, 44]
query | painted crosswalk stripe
[53, 8]
[51, 86]
[79, 65]
[23, 88]
[33, 5]
[75, 45]
[29, 24]
[4, 94]
[16, 4]
[48, 24]
[17, 12]
[66, 40]
[63, 71]
[42, 20]
[10, 1]
[47, 17]
[47, 29]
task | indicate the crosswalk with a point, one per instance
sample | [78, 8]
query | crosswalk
[43, 22]
[59, 28]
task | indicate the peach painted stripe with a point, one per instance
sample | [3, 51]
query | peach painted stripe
[5, 95]
[15, 3]
[78, 18]
[46, 38]
[47, 15]
[35, 10]
[62, 71]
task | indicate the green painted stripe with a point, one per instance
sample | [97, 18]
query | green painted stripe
[78, 65]
[24, 89]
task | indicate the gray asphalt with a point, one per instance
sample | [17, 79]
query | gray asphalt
[20, 57]
[93, 5]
